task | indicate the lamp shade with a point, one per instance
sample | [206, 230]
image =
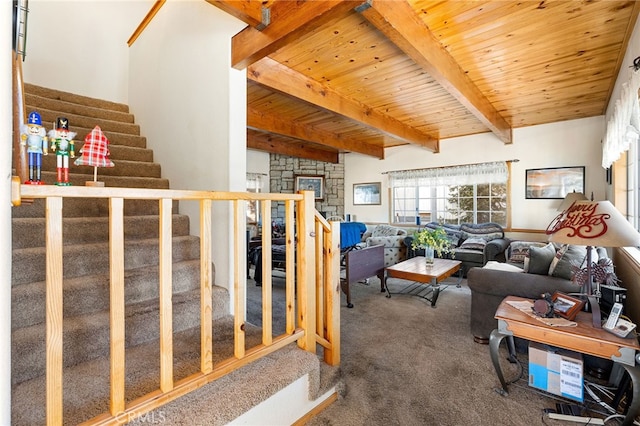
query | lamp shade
[569, 199]
[593, 223]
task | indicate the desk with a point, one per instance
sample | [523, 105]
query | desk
[584, 338]
[416, 269]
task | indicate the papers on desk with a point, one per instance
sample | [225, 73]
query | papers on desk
[526, 306]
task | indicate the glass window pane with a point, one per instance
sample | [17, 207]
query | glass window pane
[483, 204]
[499, 217]
[499, 189]
[484, 217]
[483, 190]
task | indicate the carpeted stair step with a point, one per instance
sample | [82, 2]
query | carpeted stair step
[86, 392]
[73, 98]
[30, 231]
[120, 168]
[130, 153]
[115, 138]
[90, 293]
[88, 207]
[76, 108]
[93, 259]
[78, 179]
[86, 337]
[77, 122]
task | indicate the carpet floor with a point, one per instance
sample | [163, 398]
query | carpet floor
[404, 362]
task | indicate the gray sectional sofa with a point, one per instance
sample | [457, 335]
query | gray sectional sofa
[490, 284]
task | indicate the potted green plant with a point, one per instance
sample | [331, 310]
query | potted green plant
[433, 241]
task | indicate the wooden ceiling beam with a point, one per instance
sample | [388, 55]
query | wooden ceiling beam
[400, 23]
[251, 12]
[265, 121]
[283, 79]
[264, 142]
[289, 21]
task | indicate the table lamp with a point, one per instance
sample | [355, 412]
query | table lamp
[592, 223]
[570, 199]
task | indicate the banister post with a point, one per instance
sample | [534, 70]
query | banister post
[332, 295]
[305, 221]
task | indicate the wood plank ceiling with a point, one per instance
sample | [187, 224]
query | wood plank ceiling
[325, 77]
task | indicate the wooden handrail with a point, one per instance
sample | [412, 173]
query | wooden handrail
[149, 16]
[19, 114]
[311, 291]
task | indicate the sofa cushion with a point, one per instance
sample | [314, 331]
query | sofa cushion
[492, 264]
[538, 260]
[472, 257]
[518, 250]
[474, 243]
[568, 256]
[387, 231]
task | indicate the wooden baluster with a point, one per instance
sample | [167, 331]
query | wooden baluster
[117, 311]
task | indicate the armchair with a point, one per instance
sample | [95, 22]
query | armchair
[392, 239]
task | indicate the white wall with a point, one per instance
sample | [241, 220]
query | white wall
[191, 106]
[258, 162]
[81, 46]
[570, 143]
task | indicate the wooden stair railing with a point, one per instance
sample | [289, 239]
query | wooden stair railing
[315, 289]
[19, 114]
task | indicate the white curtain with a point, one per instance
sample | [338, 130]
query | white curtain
[495, 172]
[623, 127]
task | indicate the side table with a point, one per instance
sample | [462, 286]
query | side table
[583, 338]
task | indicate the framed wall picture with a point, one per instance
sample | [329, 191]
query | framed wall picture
[366, 193]
[311, 183]
[554, 182]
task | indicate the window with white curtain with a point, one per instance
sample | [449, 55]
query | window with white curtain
[473, 193]
[620, 146]
[255, 183]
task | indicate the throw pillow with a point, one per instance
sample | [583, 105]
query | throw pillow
[566, 257]
[538, 260]
[473, 244]
[518, 250]
[492, 264]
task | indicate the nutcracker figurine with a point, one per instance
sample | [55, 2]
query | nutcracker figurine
[63, 145]
[34, 136]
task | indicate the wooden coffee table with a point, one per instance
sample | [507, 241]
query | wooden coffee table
[426, 279]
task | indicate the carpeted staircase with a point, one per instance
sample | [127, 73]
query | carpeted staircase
[86, 277]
